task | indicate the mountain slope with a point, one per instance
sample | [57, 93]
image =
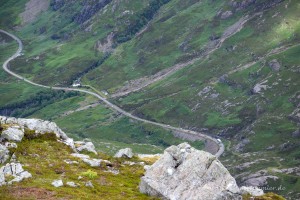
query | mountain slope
[228, 68]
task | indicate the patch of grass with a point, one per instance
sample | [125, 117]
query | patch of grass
[44, 159]
[90, 174]
[216, 120]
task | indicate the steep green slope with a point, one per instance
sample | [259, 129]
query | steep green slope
[233, 72]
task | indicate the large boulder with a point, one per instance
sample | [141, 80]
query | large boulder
[15, 134]
[125, 153]
[186, 173]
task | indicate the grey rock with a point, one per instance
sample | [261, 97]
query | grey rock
[240, 146]
[274, 65]
[92, 162]
[70, 162]
[126, 153]
[270, 147]
[21, 176]
[12, 134]
[15, 170]
[2, 179]
[258, 88]
[11, 145]
[85, 146]
[57, 183]
[186, 173]
[71, 184]
[13, 158]
[226, 14]
[253, 191]
[89, 184]
[205, 90]
[112, 170]
[88, 160]
[215, 95]
[296, 133]
[4, 154]
[287, 146]
[81, 156]
[258, 179]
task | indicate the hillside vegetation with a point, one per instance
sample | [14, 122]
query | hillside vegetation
[227, 68]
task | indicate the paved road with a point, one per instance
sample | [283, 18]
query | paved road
[212, 145]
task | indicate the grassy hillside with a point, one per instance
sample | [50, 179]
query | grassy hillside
[105, 184]
[238, 78]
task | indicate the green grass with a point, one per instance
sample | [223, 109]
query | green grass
[52, 167]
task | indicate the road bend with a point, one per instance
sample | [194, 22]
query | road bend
[212, 145]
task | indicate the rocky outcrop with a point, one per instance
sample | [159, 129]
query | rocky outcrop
[39, 126]
[89, 9]
[186, 173]
[12, 172]
[125, 153]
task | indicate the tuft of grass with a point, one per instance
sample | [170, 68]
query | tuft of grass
[90, 174]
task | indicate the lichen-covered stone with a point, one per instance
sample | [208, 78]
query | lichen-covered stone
[186, 173]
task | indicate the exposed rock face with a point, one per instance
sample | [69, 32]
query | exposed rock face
[186, 173]
[90, 8]
[12, 134]
[14, 170]
[105, 45]
[127, 153]
[4, 154]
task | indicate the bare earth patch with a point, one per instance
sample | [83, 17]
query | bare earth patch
[35, 193]
[32, 9]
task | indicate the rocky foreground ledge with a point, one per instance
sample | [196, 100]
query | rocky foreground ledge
[181, 173]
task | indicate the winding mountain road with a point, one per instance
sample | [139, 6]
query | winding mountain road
[212, 145]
